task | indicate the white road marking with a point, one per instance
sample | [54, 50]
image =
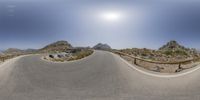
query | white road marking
[161, 75]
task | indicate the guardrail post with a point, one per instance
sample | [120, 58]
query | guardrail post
[135, 61]
[179, 66]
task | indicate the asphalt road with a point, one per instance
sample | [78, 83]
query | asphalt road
[101, 76]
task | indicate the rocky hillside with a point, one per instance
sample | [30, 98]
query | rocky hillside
[175, 49]
[101, 46]
[58, 46]
[172, 51]
[15, 51]
[172, 45]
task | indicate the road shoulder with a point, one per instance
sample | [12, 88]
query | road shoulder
[156, 74]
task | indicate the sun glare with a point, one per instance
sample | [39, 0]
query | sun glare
[111, 16]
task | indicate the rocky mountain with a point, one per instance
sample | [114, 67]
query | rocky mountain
[58, 46]
[101, 46]
[175, 49]
[173, 45]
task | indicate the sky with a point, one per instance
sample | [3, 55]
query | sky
[119, 23]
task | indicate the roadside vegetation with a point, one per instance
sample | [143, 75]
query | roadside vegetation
[4, 57]
[166, 59]
[81, 54]
[69, 55]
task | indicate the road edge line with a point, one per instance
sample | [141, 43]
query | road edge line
[157, 74]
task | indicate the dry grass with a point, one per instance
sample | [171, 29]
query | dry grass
[6, 57]
[81, 54]
[58, 60]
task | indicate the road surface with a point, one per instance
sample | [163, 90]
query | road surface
[101, 76]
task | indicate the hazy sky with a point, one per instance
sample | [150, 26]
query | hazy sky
[119, 23]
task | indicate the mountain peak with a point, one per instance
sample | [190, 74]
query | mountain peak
[172, 45]
[57, 46]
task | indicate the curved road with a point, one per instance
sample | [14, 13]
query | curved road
[101, 76]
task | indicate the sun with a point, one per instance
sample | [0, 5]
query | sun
[111, 16]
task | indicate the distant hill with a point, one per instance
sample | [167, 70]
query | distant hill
[13, 51]
[101, 46]
[58, 46]
[31, 50]
[19, 51]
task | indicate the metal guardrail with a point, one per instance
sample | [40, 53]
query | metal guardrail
[156, 62]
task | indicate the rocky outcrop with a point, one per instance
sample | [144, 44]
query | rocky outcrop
[173, 45]
[58, 46]
[175, 49]
[101, 46]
